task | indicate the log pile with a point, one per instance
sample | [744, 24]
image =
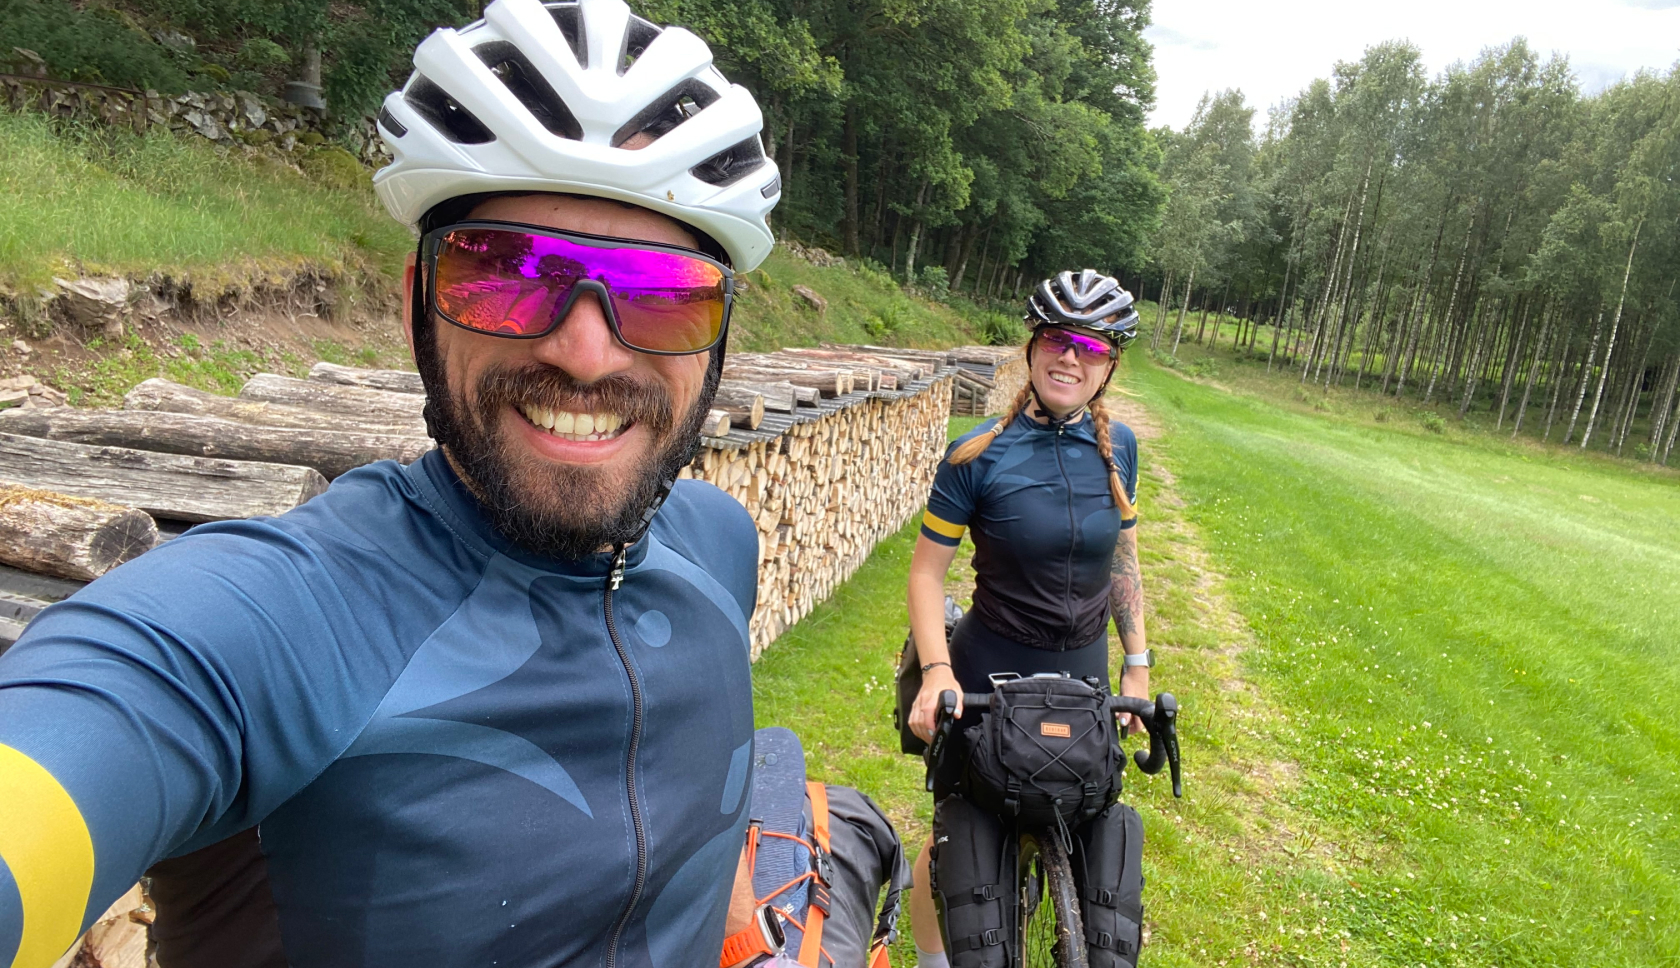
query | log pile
[985, 379]
[824, 484]
[828, 449]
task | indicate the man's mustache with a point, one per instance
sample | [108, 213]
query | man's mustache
[554, 389]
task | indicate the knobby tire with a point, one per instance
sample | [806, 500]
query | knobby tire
[1052, 932]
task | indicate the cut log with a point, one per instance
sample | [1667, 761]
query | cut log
[69, 537]
[830, 383]
[162, 485]
[332, 452]
[378, 406]
[716, 425]
[163, 396]
[745, 407]
[905, 370]
[396, 381]
[119, 939]
[780, 397]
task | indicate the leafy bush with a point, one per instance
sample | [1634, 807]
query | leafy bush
[935, 280]
[1000, 330]
[97, 45]
[1383, 415]
[1433, 423]
[875, 274]
[1166, 359]
[261, 54]
[1203, 367]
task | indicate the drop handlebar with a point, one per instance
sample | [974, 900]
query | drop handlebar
[1160, 718]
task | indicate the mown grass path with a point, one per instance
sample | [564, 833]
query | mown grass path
[1429, 689]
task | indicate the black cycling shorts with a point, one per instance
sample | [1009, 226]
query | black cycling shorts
[977, 652]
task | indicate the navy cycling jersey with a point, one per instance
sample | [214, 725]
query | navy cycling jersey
[454, 752]
[1038, 504]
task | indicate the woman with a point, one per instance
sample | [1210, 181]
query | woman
[1048, 491]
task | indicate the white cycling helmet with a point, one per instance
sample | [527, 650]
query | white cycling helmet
[539, 97]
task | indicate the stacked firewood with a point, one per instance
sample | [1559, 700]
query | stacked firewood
[828, 449]
[985, 379]
[824, 484]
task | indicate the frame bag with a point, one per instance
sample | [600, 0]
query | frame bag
[1108, 866]
[1046, 753]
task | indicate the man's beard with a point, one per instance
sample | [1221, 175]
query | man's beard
[560, 510]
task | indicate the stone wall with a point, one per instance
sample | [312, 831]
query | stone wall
[239, 118]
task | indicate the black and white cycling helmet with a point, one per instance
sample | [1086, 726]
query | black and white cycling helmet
[1087, 299]
[540, 97]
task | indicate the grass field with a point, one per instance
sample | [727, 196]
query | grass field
[108, 201]
[1429, 685]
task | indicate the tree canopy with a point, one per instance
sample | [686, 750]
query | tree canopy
[1492, 236]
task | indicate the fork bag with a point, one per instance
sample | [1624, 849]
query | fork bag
[1108, 866]
[973, 883]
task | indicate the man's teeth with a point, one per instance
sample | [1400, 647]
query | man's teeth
[1064, 378]
[575, 426]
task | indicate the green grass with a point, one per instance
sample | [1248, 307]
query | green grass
[1429, 683]
[864, 306]
[104, 200]
[1470, 652]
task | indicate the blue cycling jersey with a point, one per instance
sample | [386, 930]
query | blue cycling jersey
[1044, 522]
[455, 752]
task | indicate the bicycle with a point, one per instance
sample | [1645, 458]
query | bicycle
[1052, 935]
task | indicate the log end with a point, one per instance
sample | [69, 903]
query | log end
[122, 538]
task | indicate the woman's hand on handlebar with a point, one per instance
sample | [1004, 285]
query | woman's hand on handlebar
[924, 712]
[1133, 682]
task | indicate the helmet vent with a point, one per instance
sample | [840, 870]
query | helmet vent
[527, 84]
[637, 36]
[667, 111]
[566, 18]
[731, 164]
[391, 124]
[446, 114]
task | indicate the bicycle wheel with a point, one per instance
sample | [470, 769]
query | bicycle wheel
[1052, 934]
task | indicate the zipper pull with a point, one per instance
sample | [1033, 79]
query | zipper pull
[616, 578]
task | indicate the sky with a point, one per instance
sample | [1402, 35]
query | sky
[1272, 51]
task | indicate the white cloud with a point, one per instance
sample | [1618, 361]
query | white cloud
[1273, 51]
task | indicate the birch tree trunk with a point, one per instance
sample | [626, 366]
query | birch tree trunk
[1586, 375]
[1178, 333]
[1533, 370]
[1610, 348]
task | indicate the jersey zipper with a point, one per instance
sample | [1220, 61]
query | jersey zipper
[1073, 534]
[614, 579]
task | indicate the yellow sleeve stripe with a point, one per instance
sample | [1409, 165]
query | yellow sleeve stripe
[45, 843]
[939, 525]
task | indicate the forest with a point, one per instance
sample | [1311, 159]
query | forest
[964, 144]
[1492, 238]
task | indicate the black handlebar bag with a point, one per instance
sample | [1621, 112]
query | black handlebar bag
[1046, 753]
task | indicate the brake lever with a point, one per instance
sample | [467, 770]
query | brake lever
[944, 720]
[1163, 742]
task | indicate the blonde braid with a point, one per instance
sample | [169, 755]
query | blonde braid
[976, 445]
[1105, 446]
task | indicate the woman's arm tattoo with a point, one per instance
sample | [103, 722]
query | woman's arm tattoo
[1125, 596]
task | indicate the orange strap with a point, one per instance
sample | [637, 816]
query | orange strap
[744, 944]
[878, 957]
[810, 947]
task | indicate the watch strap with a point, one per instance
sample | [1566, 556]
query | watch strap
[1146, 658]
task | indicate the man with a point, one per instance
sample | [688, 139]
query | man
[492, 708]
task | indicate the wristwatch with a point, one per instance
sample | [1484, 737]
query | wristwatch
[1146, 658]
[761, 939]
